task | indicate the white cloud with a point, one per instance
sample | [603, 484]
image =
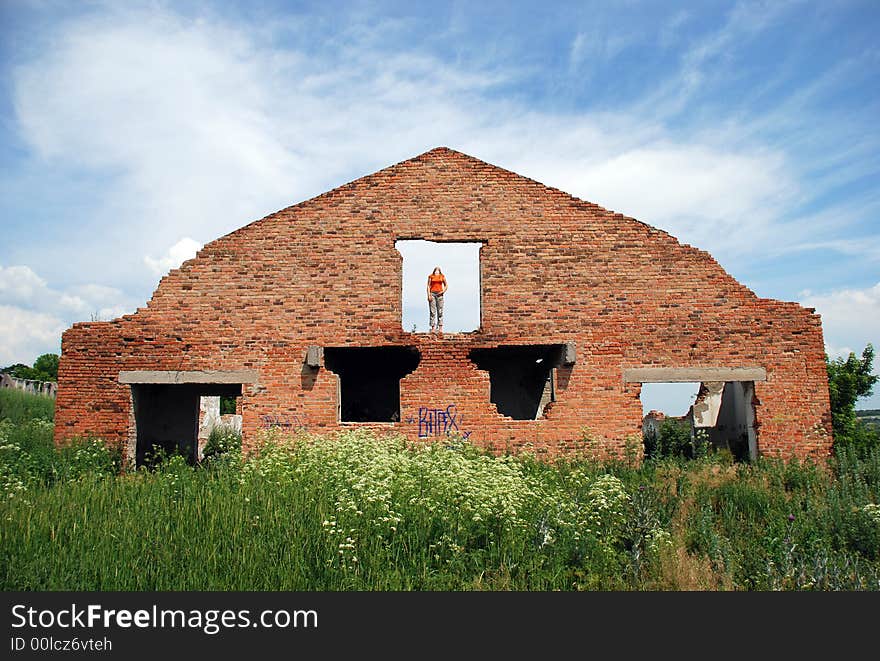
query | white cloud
[177, 117]
[867, 247]
[20, 284]
[26, 334]
[600, 43]
[700, 194]
[176, 255]
[850, 317]
[850, 320]
[33, 314]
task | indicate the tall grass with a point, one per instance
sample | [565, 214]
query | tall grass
[19, 406]
[360, 512]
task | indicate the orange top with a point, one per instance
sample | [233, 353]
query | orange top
[436, 283]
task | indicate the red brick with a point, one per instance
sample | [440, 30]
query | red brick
[555, 269]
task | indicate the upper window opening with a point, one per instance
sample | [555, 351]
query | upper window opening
[460, 264]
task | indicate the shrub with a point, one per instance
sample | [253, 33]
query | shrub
[848, 379]
[86, 457]
[29, 459]
[674, 440]
[221, 440]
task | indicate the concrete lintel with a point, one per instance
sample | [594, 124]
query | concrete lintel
[174, 377]
[692, 374]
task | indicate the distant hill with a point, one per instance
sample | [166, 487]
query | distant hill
[870, 417]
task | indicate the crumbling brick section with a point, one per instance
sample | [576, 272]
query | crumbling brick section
[554, 270]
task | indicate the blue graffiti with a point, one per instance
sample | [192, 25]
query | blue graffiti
[440, 422]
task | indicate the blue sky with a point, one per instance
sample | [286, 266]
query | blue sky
[131, 133]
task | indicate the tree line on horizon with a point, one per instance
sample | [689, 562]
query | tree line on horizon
[45, 368]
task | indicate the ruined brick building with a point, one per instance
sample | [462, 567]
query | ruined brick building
[299, 316]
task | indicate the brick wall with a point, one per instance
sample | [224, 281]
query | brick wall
[554, 269]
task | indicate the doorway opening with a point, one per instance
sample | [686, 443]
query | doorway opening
[720, 413]
[167, 418]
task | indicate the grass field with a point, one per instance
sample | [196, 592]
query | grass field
[359, 512]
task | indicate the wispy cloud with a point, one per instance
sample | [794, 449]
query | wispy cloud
[669, 32]
[202, 127]
[597, 45]
[868, 247]
[710, 55]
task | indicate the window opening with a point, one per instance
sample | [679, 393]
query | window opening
[522, 382]
[460, 263]
[369, 380]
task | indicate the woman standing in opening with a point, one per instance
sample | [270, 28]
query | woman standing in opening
[436, 288]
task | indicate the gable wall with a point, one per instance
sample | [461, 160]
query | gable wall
[554, 269]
